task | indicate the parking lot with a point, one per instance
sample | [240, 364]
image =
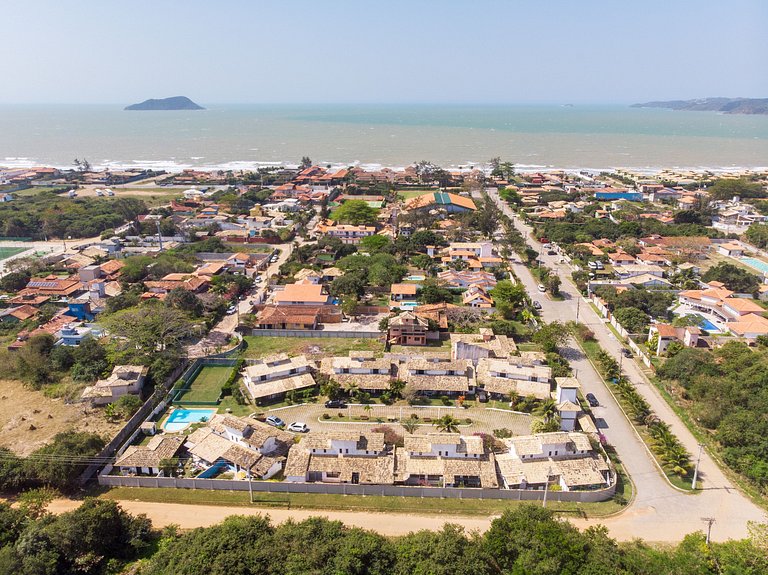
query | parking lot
[483, 420]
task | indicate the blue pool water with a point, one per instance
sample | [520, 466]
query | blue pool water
[759, 265]
[415, 278]
[181, 418]
[704, 323]
[408, 304]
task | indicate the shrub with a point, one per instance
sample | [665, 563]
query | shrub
[326, 416]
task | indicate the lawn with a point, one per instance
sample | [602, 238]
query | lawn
[206, 387]
[407, 195]
[433, 345]
[313, 346]
[7, 252]
[371, 503]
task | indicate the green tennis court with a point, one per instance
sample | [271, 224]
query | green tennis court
[8, 252]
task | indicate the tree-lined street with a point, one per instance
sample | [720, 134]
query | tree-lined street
[657, 505]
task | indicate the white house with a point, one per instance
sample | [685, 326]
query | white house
[124, 380]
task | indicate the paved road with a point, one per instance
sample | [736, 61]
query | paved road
[657, 505]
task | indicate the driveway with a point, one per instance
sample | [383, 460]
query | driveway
[657, 504]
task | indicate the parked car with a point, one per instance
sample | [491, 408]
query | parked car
[335, 404]
[592, 400]
[600, 265]
[275, 421]
[592, 265]
[542, 289]
[625, 352]
[231, 309]
[536, 305]
[547, 246]
[551, 253]
[298, 427]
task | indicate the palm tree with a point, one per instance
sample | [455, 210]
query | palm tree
[447, 424]
[547, 410]
[410, 425]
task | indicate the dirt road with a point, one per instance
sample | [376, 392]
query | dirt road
[623, 527]
[191, 516]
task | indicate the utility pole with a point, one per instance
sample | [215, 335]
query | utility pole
[250, 487]
[546, 487]
[159, 235]
[709, 521]
[696, 469]
[578, 301]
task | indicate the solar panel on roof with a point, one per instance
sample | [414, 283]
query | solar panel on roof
[42, 284]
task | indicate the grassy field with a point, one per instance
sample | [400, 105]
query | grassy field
[468, 507]
[315, 346]
[8, 252]
[408, 194]
[207, 385]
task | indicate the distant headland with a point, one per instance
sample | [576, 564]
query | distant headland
[174, 103]
[724, 105]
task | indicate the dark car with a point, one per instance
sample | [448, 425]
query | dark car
[592, 400]
[551, 253]
[335, 404]
[625, 352]
[536, 305]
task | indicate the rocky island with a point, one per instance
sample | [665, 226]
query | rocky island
[174, 103]
[724, 105]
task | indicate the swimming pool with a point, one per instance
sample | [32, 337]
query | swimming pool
[181, 418]
[415, 278]
[759, 265]
[408, 305]
[704, 323]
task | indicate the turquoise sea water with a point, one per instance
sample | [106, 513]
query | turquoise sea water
[238, 136]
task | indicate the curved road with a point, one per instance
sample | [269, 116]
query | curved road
[659, 511]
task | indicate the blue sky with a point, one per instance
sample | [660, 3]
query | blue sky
[480, 51]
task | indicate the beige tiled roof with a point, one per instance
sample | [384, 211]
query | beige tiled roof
[484, 468]
[365, 440]
[268, 388]
[458, 383]
[423, 443]
[280, 362]
[534, 444]
[374, 469]
[159, 447]
[499, 345]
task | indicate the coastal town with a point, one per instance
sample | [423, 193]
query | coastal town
[388, 332]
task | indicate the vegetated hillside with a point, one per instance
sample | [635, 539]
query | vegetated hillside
[725, 105]
[724, 391]
[174, 103]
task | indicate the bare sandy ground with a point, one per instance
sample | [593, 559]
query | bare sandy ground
[629, 525]
[192, 516]
[29, 420]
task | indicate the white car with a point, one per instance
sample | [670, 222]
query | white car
[542, 289]
[298, 427]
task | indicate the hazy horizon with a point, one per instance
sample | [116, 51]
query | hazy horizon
[398, 52]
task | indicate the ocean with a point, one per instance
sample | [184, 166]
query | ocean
[248, 136]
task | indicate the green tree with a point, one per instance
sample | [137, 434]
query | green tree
[355, 212]
[71, 452]
[550, 336]
[184, 300]
[633, 319]
[757, 234]
[447, 424]
[375, 243]
[735, 278]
